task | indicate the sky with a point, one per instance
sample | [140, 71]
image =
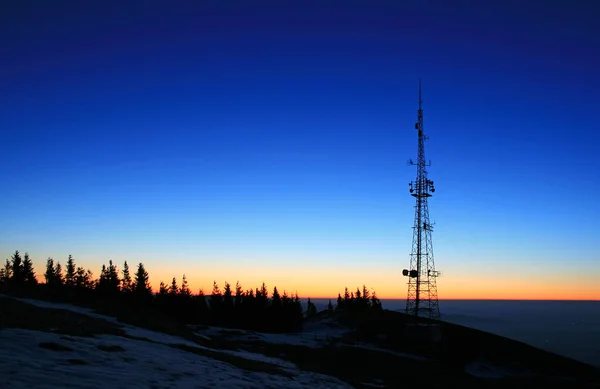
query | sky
[268, 141]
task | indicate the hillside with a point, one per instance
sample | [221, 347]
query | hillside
[47, 344]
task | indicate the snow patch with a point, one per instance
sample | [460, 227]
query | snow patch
[141, 364]
[485, 369]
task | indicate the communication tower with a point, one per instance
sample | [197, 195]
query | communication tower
[422, 299]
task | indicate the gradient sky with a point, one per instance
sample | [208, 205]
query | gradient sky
[267, 141]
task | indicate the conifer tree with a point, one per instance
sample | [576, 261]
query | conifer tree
[17, 268]
[71, 272]
[7, 270]
[50, 275]
[173, 289]
[126, 283]
[90, 283]
[375, 303]
[238, 294]
[227, 297]
[366, 294]
[163, 291]
[340, 302]
[276, 300]
[330, 306]
[262, 297]
[142, 282]
[80, 277]
[311, 309]
[185, 290]
[28, 272]
[113, 277]
[215, 297]
[58, 276]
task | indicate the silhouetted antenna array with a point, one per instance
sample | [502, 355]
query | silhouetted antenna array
[422, 299]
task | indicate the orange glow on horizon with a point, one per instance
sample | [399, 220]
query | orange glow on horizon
[329, 281]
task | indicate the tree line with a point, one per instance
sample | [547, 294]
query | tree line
[229, 306]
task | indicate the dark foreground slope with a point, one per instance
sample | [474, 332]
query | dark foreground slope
[375, 349]
[386, 350]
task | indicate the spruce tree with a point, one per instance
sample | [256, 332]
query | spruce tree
[80, 279]
[7, 270]
[375, 303]
[71, 273]
[142, 282]
[17, 268]
[28, 272]
[90, 282]
[113, 277]
[50, 275]
[58, 276]
[126, 283]
[340, 302]
[215, 297]
[227, 297]
[185, 290]
[174, 289]
[346, 298]
[311, 309]
[276, 300]
[163, 291]
[238, 294]
[330, 306]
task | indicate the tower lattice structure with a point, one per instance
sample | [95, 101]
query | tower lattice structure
[422, 299]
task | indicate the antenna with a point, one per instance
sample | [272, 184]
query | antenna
[420, 99]
[422, 299]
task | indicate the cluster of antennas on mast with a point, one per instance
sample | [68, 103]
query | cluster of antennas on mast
[414, 273]
[426, 187]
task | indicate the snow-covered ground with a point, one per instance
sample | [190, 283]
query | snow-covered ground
[36, 359]
[315, 334]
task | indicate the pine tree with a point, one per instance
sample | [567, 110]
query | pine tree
[227, 297]
[215, 297]
[346, 298]
[142, 282]
[238, 294]
[50, 274]
[340, 302]
[7, 270]
[174, 289]
[185, 290]
[330, 306]
[163, 291]
[80, 278]
[113, 277]
[375, 303]
[276, 300]
[17, 268]
[90, 283]
[28, 272]
[311, 309]
[126, 283]
[71, 272]
[59, 280]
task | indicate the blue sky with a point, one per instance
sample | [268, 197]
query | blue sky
[211, 137]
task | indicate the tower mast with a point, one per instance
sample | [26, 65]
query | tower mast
[422, 299]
